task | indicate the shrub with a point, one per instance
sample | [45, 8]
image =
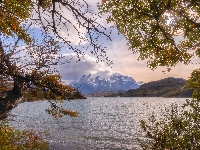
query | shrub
[11, 139]
[179, 128]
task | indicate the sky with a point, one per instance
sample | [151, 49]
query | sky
[124, 61]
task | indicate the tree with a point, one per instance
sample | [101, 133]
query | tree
[16, 139]
[179, 128]
[19, 22]
[41, 93]
[165, 32]
[5, 85]
[152, 27]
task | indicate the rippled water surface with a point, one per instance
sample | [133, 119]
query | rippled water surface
[103, 123]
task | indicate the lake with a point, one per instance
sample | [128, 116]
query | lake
[103, 122]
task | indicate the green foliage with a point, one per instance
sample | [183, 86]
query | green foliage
[151, 27]
[176, 130]
[194, 81]
[11, 139]
[179, 127]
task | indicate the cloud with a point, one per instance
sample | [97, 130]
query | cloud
[103, 74]
[127, 64]
[140, 82]
[69, 28]
[67, 24]
[74, 70]
[101, 19]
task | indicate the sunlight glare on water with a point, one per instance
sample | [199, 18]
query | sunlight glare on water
[103, 123]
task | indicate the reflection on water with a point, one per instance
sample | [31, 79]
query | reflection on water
[103, 123]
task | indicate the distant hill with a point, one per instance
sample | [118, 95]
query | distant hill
[117, 82]
[168, 87]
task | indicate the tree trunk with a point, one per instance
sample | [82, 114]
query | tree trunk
[13, 96]
[10, 101]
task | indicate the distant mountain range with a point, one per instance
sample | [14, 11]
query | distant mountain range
[168, 87]
[117, 82]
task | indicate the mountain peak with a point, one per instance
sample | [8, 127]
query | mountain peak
[116, 82]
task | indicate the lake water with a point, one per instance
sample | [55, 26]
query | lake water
[103, 123]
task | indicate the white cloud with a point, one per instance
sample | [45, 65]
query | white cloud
[74, 70]
[69, 28]
[101, 19]
[126, 63]
[67, 25]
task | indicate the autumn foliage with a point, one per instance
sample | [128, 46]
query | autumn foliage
[11, 139]
[50, 88]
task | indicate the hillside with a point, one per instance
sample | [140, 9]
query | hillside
[168, 87]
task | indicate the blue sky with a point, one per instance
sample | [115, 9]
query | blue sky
[124, 61]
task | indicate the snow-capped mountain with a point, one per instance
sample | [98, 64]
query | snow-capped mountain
[88, 84]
